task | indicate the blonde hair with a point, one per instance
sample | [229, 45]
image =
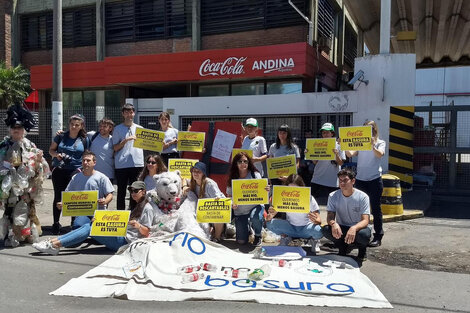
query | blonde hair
[193, 185]
[375, 129]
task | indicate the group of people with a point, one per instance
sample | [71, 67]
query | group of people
[94, 160]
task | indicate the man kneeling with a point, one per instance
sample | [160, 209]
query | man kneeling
[348, 216]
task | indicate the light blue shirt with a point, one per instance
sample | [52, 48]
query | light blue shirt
[128, 156]
[103, 149]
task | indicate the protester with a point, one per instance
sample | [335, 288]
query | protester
[102, 147]
[348, 216]
[171, 138]
[23, 170]
[87, 180]
[297, 225]
[128, 161]
[204, 187]
[138, 227]
[255, 143]
[325, 179]
[153, 166]
[369, 179]
[242, 167]
[283, 146]
[67, 150]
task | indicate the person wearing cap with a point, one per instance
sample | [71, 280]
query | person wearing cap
[325, 174]
[138, 227]
[66, 150]
[283, 146]
[128, 161]
[255, 143]
[204, 187]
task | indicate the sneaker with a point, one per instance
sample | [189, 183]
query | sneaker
[285, 241]
[257, 241]
[56, 228]
[46, 246]
[315, 244]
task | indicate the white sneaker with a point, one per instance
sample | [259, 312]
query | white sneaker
[285, 241]
[46, 246]
[315, 245]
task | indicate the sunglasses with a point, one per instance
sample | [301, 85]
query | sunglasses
[242, 162]
[132, 190]
[152, 162]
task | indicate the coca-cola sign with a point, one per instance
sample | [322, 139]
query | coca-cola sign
[231, 66]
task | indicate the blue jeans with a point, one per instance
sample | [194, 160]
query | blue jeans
[80, 234]
[81, 220]
[256, 219]
[283, 227]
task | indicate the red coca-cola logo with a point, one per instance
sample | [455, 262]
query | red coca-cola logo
[320, 144]
[249, 186]
[231, 66]
[357, 133]
[79, 197]
[111, 218]
[290, 194]
[190, 136]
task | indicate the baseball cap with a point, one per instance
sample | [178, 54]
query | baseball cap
[200, 166]
[328, 126]
[252, 122]
[138, 184]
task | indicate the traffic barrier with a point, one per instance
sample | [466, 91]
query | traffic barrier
[391, 201]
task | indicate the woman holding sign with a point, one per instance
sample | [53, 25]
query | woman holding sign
[171, 138]
[138, 227]
[153, 166]
[283, 146]
[242, 168]
[369, 178]
[298, 225]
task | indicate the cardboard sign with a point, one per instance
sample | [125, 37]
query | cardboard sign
[110, 223]
[148, 139]
[191, 141]
[236, 151]
[291, 199]
[249, 191]
[281, 166]
[320, 149]
[211, 210]
[182, 165]
[223, 145]
[355, 138]
[79, 203]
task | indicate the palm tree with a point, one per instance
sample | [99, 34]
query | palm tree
[14, 85]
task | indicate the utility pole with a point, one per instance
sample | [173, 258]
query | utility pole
[57, 113]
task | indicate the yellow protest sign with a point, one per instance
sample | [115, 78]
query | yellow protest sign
[320, 149]
[291, 199]
[182, 165]
[79, 203]
[110, 223]
[211, 210]
[236, 151]
[281, 166]
[191, 141]
[355, 138]
[249, 191]
[148, 139]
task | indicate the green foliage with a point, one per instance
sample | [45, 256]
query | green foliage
[14, 85]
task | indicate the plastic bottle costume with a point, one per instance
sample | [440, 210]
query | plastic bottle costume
[22, 172]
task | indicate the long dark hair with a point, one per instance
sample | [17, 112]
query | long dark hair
[139, 208]
[160, 166]
[284, 128]
[234, 173]
[82, 131]
[295, 179]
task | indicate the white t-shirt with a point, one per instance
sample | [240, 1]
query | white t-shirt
[128, 156]
[103, 149]
[301, 219]
[259, 148]
[244, 209]
[283, 151]
[368, 165]
[349, 210]
[96, 181]
[325, 172]
[170, 134]
[145, 219]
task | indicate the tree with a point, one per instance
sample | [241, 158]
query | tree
[14, 85]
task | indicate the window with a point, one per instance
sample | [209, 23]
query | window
[350, 45]
[119, 20]
[247, 89]
[326, 19]
[36, 32]
[213, 90]
[283, 88]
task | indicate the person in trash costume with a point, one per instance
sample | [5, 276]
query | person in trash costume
[22, 172]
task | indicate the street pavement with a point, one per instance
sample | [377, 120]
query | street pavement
[422, 266]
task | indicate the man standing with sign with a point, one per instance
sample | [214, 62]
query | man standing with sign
[348, 216]
[128, 161]
[90, 179]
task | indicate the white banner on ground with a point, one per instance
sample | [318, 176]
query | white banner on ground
[147, 270]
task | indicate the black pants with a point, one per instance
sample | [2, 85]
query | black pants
[166, 156]
[361, 241]
[125, 177]
[374, 189]
[60, 179]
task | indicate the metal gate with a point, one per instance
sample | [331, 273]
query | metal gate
[441, 159]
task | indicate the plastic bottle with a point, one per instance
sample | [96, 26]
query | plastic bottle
[281, 263]
[188, 269]
[241, 273]
[192, 277]
[209, 267]
[259, 252]
[260, 273]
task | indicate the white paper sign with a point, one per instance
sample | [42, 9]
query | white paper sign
[223, 145]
